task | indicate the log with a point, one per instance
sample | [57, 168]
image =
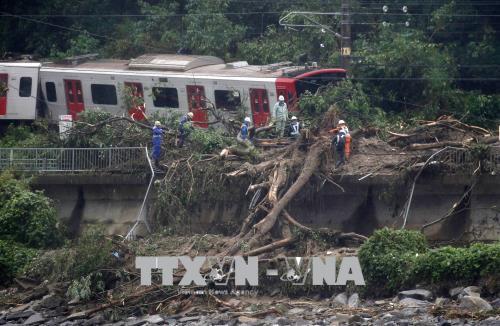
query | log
[311, 164]
[270, 247]
[417, 147]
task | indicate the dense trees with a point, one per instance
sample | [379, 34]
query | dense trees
[432, 57]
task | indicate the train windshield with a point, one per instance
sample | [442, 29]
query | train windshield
[313, 80]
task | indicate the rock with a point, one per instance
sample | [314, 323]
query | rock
[341, 298]
[410, 302]
[34, 319]
[190, 318]
[353, 301]
[472, 291]
[441, 301]
[296, 311]
[355, 319]
[19, 315]
[247, 320]
[21, 307]
[475, 303]
[419, 294]
[380, 302]
[50, 301]
[282, 321]
[496, 303]
[96, 320]
[154, 319]
[76, 315]
[342, 318]
[455, 292]
[135, 322]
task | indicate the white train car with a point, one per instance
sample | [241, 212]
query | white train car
[175, 83]
[18, 90]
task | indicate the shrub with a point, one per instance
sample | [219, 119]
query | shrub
[207, 141]
[27, 217]
[457, 265]
[13, 257]
[387, 258]
[91, 253]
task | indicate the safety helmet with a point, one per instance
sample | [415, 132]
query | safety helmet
[247, 119]
[281, 98]
[190, 114]
[341, 122]
[157, 123]
[294, 118]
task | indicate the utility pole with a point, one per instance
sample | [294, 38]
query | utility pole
[345, 31]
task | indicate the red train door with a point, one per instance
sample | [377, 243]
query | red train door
[260, 106]
[196, 102]
[286, 87]
[4, 86]
[74, 97]
[136, 93]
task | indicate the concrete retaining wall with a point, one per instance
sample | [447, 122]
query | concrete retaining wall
[362, 207]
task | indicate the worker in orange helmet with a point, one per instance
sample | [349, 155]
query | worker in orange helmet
[341, 142]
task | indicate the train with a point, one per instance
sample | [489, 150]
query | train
[158, 84]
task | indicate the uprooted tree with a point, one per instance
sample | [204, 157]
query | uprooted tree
[280, 173]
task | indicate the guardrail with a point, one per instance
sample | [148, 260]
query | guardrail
[70, 160]
[464, 160]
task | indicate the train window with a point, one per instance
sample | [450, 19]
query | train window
[25, 87]
[229, 100]
[165, 97]
[51, 91]
[103, 94]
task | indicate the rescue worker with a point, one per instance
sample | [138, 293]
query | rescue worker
[280, 112]
[339, 141]
[157, 141]
[183, 126]
[294, 127]
[243, 135]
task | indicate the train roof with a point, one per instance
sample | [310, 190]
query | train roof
[179, 64]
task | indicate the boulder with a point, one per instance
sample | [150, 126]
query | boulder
[455, 292]
[353, 301]
[419, 294]
[247, 320]
[154, 319]
[411, 302]
[441, 301]
[472, 291]
[341, 298]
[19, 315]
[34, 319]
[496, 303]
[474, 303]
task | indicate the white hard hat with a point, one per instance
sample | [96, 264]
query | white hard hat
[247, 119]
[281, 98]
[341, 122]
[294, 118]
[157, 123]
[190, 114]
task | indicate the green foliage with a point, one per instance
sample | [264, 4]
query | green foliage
[396, 259]
[350, 102]
[27, 217]
[208, 30]
[208, 141]
[86, 287]
[458, 265]
[399, 68]
[475, 108]
[119, 134]
[387, 258]
[13, 257]
[91, 253]
[36, 135]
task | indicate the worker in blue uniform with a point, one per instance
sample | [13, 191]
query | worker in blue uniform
[157, 142]
[183, 128]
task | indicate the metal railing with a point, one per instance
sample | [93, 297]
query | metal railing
[464, 160]
[69, 160]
